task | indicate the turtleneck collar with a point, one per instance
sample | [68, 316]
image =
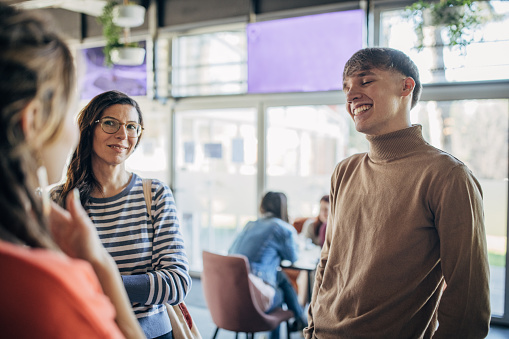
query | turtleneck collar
[396, 144]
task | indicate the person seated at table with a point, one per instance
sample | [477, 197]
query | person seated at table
[265, 242]
[314, 228]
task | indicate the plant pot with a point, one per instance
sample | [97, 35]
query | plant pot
[128, 56]
[128, 15]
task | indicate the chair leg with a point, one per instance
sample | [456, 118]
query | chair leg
[287, 329]
[215, 333]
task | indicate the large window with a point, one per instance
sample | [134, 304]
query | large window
[484, 59]
[476, 132]
[299, 54]
[217, 165]
[151, 158]
[218, 175]
[304, 144]
[207, 64]
[215, 176]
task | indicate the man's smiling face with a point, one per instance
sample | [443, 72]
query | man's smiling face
[377, 100]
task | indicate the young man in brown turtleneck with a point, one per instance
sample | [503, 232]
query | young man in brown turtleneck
[406, 220]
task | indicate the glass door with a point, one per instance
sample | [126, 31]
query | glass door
[215, 177]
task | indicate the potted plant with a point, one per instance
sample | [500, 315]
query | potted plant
[460, 18]
[115, 51]
[128, 15]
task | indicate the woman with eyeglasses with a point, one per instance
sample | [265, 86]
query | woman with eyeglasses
[145, 241]
[58, 281]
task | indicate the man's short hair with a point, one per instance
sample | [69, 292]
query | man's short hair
[387, 59]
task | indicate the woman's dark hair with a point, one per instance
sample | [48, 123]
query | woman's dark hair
[79, 173]
[318, 223]
[387, 59]
[36, 66]
[276, 204]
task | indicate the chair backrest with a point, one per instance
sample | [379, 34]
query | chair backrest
[229, 294]
[298, 223]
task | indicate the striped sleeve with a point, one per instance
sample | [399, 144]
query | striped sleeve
[168, 280]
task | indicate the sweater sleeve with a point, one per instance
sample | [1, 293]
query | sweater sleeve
[464, 310]
[310, 329]
[168, 280]
[324, 255]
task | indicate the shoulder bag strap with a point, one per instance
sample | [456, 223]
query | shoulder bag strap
[147, 193]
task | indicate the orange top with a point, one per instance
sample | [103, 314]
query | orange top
[48, 295]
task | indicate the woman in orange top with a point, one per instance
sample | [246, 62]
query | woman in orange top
[57, 279]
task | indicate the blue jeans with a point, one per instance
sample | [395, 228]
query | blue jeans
[285, 293]
[168, 335]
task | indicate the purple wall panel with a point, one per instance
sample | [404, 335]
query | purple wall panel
[97, 78]
[302, 54]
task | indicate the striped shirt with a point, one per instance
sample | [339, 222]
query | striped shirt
[150, 256]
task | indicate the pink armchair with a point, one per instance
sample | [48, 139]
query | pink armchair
[230, 297]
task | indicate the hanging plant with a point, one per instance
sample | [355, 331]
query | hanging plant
[460, 18]
[112, 34]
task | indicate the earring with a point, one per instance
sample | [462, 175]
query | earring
[42, 176]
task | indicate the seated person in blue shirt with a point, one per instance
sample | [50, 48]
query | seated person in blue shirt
[265, 242]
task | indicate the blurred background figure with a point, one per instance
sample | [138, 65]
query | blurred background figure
[54, 268]
[265, 242]
[314, 228]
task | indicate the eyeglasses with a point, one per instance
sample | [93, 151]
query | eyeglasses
[112, 125]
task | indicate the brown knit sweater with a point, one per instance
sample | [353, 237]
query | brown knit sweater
[404, 217]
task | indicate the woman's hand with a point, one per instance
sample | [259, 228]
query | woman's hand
[74, 232]
[76, 235]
